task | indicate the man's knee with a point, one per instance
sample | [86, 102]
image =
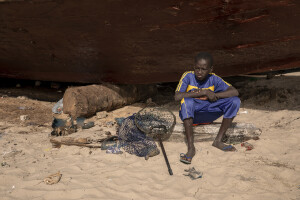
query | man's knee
[187, 108]
[236, 102]
[187, 102]
[232, 107]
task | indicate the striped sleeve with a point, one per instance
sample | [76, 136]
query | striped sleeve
[183, 83]
[220, 84]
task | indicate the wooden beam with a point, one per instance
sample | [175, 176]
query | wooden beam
[238, 131]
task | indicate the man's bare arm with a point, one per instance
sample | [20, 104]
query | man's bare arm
[196, 94]
[230, 92]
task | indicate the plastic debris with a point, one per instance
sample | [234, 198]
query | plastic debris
[114, 150]
[4, 164]
[110, 124]
[53, 178]
[248, 146]
[109, 142]
[62, 127]
[193, 173]
[23, 117]
[58, 107]
[120, 120]
[80, 121]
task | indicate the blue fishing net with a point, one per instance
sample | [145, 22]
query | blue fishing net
[134, 141]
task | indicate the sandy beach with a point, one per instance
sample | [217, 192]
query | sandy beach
[270, 171]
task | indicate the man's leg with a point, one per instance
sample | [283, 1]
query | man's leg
[188, 126]
[230, 107]
[187, 115]
[199, 117]
[226, 122]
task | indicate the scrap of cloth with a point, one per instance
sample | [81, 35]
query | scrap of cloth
[133, 140]
[204, 111]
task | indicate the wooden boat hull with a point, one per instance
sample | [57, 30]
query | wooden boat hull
[138, 41]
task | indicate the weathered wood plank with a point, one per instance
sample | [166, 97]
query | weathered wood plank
[208, 132]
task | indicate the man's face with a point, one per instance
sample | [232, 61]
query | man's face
[202, 69]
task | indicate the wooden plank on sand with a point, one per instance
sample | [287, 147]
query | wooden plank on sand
[208, 132]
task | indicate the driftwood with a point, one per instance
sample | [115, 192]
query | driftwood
[238, 132]
[85, 101]
[69, 141]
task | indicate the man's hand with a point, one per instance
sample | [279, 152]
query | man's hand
[212, 97]
[204, 98]
[197, 94]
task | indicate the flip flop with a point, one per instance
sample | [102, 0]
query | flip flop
[184, 158]
[193, 173]
[227, 147]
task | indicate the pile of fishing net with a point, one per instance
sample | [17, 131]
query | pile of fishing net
[136, 132]
[134, 141]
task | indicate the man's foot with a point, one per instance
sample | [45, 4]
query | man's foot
[223, 147]
[187, 158]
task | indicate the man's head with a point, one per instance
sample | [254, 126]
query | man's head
[203, 65]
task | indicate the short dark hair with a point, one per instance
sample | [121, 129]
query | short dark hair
[205, 56]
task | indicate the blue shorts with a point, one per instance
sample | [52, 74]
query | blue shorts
[205, 111]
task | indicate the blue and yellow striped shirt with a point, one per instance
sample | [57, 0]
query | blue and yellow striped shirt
[188, 83]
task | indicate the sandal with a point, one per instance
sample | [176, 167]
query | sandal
[185, 159]
[227, 148]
